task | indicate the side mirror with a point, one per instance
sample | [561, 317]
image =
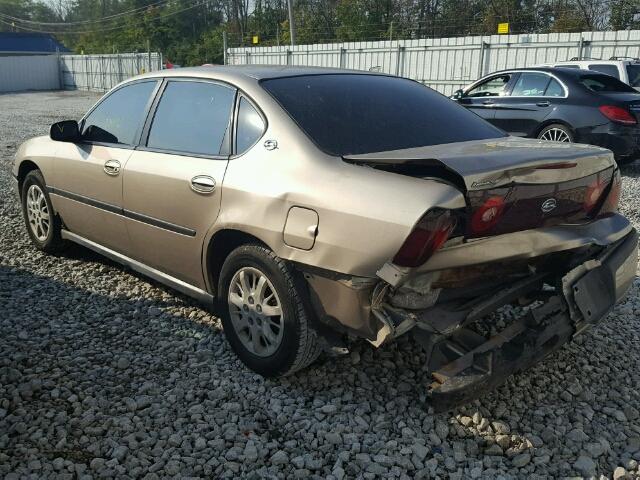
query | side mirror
[65, 131]
[457, 94]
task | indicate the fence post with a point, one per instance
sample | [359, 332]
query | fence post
[483, 45]
[289, 57]
[60, 74]
[400, 60]
[224, 48]
[343, 57]
[247, 59]
[149, 54]
[580, 45]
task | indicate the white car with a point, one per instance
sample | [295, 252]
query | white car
[625, 69]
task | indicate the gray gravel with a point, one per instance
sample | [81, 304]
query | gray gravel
[105, 374]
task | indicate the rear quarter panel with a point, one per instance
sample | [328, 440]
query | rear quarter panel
[364, 214]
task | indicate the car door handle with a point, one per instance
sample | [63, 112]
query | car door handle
[112, 167]
[203, 184]
[543, 104]
[487, 102]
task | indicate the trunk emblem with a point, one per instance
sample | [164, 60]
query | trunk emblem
[548, 205]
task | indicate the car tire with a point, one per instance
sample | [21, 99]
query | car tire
[265, 312]
[43, 225]
[556, 132]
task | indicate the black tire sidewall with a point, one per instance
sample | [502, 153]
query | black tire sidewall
[35, 178]
[284, 357]
[566, 129]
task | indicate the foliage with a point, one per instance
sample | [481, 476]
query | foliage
[190, 32]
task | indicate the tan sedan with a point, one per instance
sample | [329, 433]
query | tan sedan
[313, 204]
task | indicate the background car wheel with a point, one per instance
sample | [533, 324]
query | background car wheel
[556, 132]
[43, 225]
[265, 317]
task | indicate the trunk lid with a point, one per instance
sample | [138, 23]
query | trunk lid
[523, 183]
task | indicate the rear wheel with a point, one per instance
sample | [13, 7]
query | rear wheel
[43, 225]
[556, 132]
[264, 313]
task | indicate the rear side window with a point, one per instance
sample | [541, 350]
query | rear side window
[530, 85]
[192, 117]
[633, 72]
[493, 87]
[605, 83]
[554, 89]
[605, 68]
[119, 116]
[250, 126]
[359, 113]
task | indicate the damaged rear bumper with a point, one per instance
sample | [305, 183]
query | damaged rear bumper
[587, 294]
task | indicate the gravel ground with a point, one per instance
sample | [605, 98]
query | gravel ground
[106, 374]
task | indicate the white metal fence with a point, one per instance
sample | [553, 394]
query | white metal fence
[33, 72]
[99, 73]
[447, 64]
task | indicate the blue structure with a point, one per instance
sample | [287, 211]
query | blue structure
[24, 43]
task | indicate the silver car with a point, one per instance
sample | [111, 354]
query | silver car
[311, 205]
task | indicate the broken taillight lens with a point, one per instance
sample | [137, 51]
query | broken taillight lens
[428, 235]
[487, 215]
[610, 205]
[592, 195]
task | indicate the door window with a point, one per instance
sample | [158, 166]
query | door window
[633, 72]
[118, 118]
[530, 84]
[193, 117]
[250, 126]
[605, 68]
[493, 87]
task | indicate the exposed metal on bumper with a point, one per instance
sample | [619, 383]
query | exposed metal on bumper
[585, 300]
[16, 185]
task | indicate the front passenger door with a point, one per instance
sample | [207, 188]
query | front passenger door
[87, 181]
[481, 98]
[172, 182]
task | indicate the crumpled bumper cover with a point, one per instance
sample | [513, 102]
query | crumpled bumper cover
[589, 293]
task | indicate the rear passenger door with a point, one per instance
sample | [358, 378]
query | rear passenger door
[534, 97]
[172, 182]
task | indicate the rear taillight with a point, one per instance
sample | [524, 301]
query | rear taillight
[610, 204]
[487, 215]
[428, 235]
[618, 114]
[592, 195]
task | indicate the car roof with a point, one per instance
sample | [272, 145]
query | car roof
[255, 72]
[564, 72]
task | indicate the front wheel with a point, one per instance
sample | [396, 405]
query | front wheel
[556, 132]
[264, 313]
[43, 225]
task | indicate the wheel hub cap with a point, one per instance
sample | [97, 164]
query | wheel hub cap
[256, 312]
[555, 135]
[38, 213]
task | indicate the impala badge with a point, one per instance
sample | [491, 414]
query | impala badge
[548, 205]
[270, 144]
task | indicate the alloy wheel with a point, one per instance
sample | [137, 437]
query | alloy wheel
[256, 311]
[556, 135]
[38, 213]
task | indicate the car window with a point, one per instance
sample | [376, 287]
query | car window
[633, 72]
[361, 113]
[493, 87]
[605, 68]
[554, 89]
[530, 84]
[250, 126]
[119, 116]
[192, 117]
[605, 83]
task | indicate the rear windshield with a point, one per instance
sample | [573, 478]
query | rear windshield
[605, 83]
[633, 72]
[347, 114]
